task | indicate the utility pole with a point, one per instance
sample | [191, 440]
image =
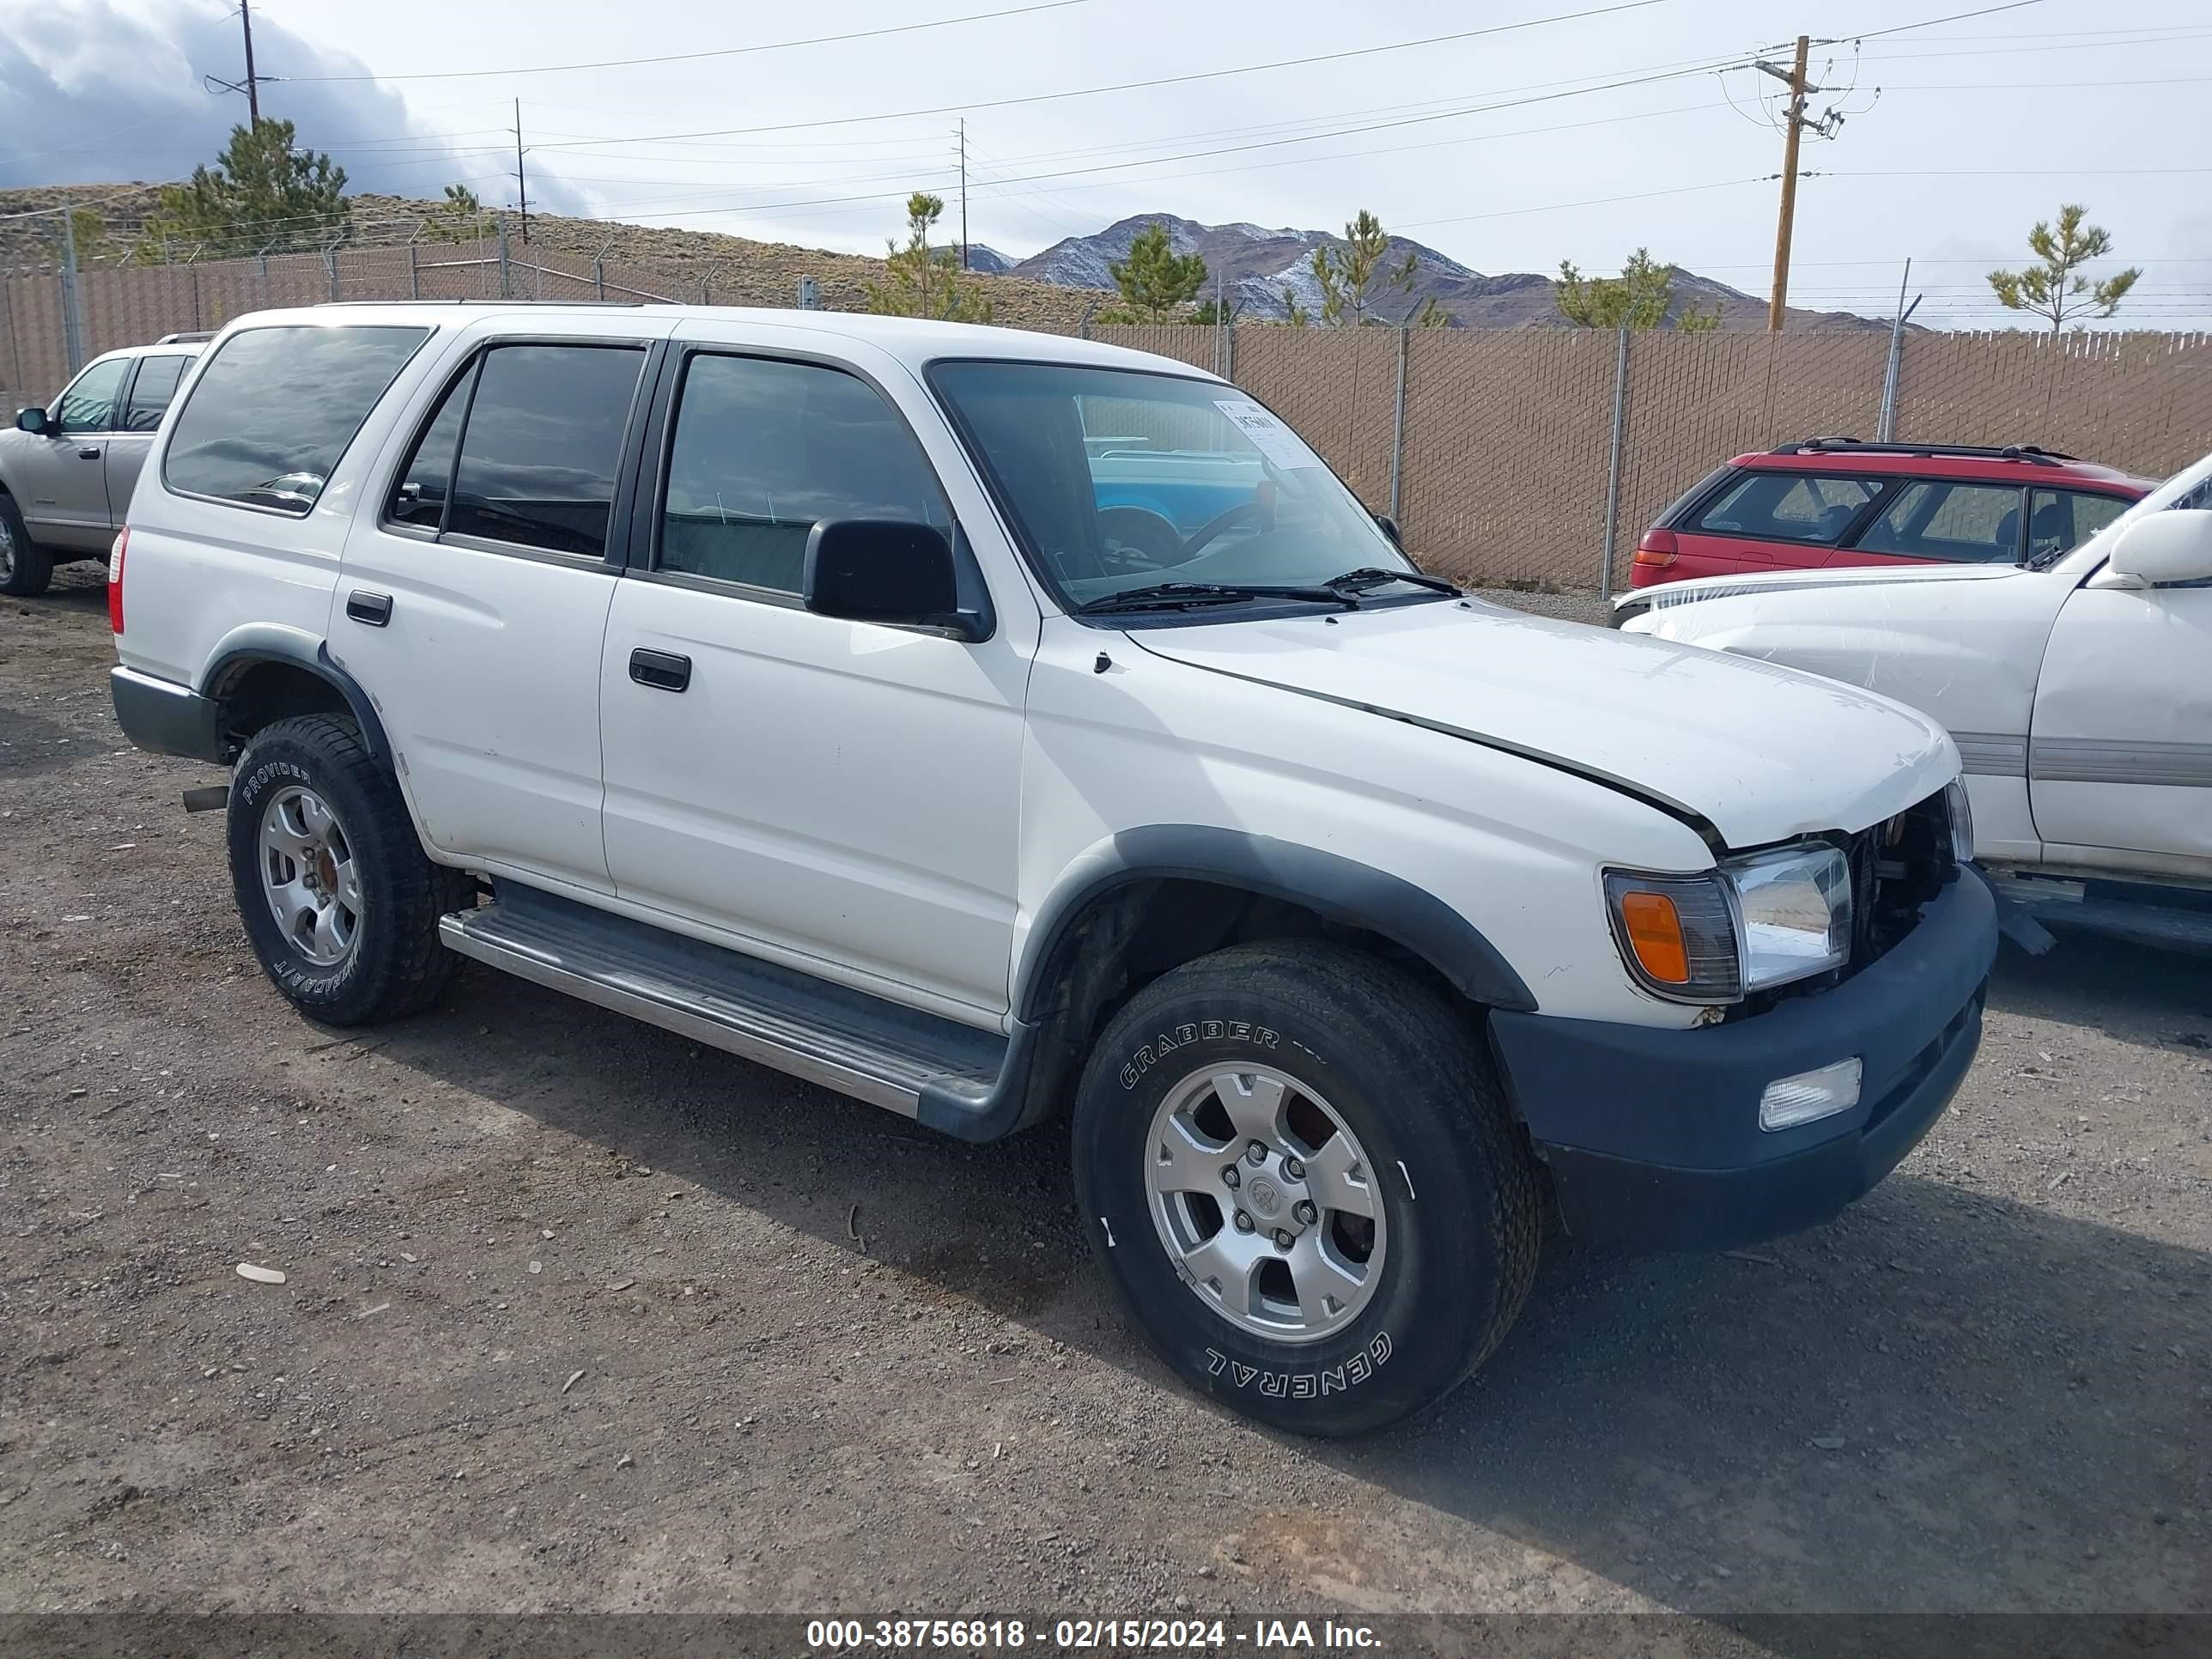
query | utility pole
[1793, 129]
[521, 179]
[963, 192]
[253, 86]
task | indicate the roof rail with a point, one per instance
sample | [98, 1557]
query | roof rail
[558, 305]
[2032, 452]
[189, 336]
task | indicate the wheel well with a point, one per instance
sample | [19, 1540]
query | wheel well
[1129, 936]
[259, 694]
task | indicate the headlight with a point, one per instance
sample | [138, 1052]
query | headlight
[1961, 810]
[1760, 920]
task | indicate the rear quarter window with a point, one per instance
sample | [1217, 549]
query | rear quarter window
[272, 413]
[1788, 506]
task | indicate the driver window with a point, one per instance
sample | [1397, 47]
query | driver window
[765, 449]
[88, 405]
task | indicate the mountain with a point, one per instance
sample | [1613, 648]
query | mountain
[988, 260]
[1256, 265]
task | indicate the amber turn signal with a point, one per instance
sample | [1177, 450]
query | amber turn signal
[1654, 927]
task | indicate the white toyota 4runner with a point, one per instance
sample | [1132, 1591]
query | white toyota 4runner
[983, 723]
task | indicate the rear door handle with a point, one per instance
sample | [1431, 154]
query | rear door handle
[664, 671]
[374, 609]
[89, 452]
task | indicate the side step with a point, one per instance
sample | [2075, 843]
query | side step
[2171, 918]
[841, 1038]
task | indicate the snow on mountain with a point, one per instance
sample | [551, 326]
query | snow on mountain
[1254, 264]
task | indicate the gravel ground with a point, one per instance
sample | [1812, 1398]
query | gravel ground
[580, 1316]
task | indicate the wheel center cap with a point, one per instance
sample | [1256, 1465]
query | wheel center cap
[1265, 1198]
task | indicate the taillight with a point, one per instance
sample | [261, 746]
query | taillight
[1657, 549]
[115, 579]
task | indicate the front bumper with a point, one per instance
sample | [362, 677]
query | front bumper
[165, 717]
[1652, 1136]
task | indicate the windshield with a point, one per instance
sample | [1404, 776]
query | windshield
[1119, 481]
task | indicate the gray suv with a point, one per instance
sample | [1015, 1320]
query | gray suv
[67, 470]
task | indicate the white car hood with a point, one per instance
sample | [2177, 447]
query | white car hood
[1759, 752]
[1667, 595]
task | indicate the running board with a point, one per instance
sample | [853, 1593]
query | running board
[912, 1063]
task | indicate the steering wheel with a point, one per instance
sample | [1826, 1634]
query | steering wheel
[1213, 527]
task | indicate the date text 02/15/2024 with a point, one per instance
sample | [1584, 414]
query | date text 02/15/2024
[1086, 1634]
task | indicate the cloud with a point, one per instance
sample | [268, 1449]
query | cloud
[98, 92]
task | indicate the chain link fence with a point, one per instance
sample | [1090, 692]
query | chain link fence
[1515, 457]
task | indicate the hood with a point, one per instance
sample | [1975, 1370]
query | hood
[1666, 595]
[1759, 752]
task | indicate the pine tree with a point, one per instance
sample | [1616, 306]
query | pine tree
[2055, 289]
[1354, 274]
[921, 280]
[1155, 279]
[261, 194]
[1642, 296]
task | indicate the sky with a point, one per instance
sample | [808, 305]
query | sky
[1547, 129]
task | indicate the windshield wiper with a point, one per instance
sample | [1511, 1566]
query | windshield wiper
[1161, 596]
[1374, 576]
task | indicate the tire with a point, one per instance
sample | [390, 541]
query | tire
[389, 961]
[1458, 1197]
[1626, 613]
[25, 566]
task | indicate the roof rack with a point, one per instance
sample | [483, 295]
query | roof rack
[552, 305]
[2032, 452]
[190, 337]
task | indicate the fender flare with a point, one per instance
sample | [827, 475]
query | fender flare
[1338, 888]
[259, 642]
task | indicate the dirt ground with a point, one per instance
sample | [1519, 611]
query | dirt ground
[581, 1316]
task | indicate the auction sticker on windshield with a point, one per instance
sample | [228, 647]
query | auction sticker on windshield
[1269, 435]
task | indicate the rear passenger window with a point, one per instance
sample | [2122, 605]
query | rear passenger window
[150, 393]
[1963, 523]
[1788, 506]
[542, 445]
[765, 449]
[274, 410]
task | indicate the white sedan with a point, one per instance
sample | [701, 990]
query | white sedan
[2079, 693]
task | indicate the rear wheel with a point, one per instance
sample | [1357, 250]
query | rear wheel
[340, 902]
[25, 566]
[1299, 1174]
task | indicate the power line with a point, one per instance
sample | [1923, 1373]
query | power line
[1935, 22]
[693, 57]
[1134, 86]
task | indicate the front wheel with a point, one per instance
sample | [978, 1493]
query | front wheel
[1299, 1172]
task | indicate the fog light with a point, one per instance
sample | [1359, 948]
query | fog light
[1809, 1095]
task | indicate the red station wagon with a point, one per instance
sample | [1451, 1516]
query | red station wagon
[1838, 502]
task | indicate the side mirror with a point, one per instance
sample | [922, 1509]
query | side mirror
[2172, 546]
[887, 570]
[31, 420]
[1388, 526]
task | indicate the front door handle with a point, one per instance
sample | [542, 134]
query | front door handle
[89, 452]
[374, 609]
[664, 671]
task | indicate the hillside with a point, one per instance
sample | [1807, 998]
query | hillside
[737, 268]
[1257, 264]
[1050, 289]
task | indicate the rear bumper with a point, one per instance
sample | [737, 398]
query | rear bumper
[165, 717]
[1653, 1138]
